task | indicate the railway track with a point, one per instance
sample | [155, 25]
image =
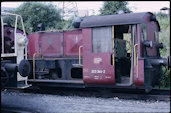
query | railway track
[13, 110]
[135, 94]
[116, 94]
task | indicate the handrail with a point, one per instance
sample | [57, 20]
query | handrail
[6, 13]
[113, 44]
[136, 59]
[15, 32]
[34, 65]
[137, 65]
[80, 55]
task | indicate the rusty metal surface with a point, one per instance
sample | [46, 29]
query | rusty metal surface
[33, 46]
[129, 18]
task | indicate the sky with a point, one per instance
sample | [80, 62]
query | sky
[135, 6]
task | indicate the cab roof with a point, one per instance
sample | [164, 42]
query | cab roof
[119, 19]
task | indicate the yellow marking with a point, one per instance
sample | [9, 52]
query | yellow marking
[135, 54]
[80, 54]
[113, 56]
[136, 58]
[34, 65]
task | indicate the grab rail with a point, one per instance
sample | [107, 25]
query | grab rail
[113, 44]
[34, 65]
[80, 55]
[136, 59]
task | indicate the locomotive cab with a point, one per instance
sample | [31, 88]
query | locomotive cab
[122, 50]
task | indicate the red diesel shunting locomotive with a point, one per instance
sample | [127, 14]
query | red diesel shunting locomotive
[104, 51]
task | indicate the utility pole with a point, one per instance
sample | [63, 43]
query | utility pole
[69, 9]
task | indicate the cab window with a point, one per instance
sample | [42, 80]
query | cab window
[156, 35]
[102, 39]
[143, 32]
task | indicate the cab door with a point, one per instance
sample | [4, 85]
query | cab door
[144, 73]
[138, 59]
[97, 53]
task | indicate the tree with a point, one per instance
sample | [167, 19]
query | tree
[112, 7]
[34, 13]
[164, 37]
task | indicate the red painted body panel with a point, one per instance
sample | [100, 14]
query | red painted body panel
[140, 48]
[151, 26]
[150, 51]
[139, 79]
[97, 68]
[48, 44]
[72, 41]
[33, 44]
[51, 44]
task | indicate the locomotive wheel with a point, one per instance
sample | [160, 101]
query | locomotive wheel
[4, 77]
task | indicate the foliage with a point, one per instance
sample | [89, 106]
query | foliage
[34, 13]
[164, 37]
[165, 79]
[112, 7]
[67, 24]
[8, 20]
